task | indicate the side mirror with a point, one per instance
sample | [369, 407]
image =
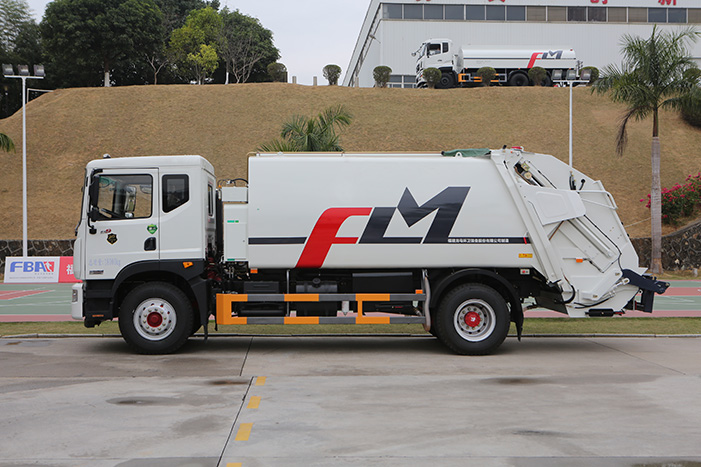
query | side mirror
[94, 213]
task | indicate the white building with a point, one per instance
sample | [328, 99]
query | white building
[393, 29]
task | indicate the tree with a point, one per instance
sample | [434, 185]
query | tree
[487, 74]
[432, 76]
[332, 73]
[6, 143]
[539, 76]
[277, 72]
[85, 39]
[13, 14]
[381, 75]
[246, 47]
[304, 134]
[653, 76]
[202, 28]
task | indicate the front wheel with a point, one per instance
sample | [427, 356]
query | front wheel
[156, 318]
[447, 81]
[473, 319]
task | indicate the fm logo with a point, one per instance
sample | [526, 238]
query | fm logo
[549, 55]
[324, 234]
[32, 266]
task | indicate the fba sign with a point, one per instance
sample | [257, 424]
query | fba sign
[39, 269]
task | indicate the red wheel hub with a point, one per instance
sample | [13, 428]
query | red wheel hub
[154, 319]
[473, 319]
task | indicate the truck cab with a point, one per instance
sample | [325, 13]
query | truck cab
[143, 218]
[440, 54]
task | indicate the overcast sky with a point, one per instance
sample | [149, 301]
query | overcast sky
[309, 33]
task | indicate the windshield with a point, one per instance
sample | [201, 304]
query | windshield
[420, 51]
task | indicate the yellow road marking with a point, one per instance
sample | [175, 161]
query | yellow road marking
[244, 432]
[234, 464]
[254, 402]
[260, 381]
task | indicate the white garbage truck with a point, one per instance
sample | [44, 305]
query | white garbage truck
[459, 66]
[458, 241]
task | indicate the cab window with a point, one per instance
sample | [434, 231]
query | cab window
[124, 197]
[176, 191]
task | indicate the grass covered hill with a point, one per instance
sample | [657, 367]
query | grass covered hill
[69, 127]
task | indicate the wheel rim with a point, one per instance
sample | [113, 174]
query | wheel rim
[474, 320]
[155, 319]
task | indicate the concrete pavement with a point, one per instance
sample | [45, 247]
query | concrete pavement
[351, 401]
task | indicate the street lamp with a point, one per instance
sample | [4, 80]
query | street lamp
[571, 78]
[23, 74]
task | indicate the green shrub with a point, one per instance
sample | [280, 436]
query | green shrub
[487, 74]
[691, 112]
[680, 200]
[432, 76]
[277, 72]
[381, 75]
[594, 73]
[331, 73]
[538, 76]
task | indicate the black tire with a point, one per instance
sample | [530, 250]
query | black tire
[518, 79]
[473, 319]
[156, 318]
[447, 81]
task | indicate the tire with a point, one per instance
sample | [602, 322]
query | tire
[473, 319]
[447, 81]
[518, 79]
[156, 318]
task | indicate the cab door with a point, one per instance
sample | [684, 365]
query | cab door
[122, 226]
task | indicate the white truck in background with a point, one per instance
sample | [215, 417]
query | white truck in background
[459, 66]
[456, 241]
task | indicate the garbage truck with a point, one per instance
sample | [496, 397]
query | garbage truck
[458, 241]
[459, 66]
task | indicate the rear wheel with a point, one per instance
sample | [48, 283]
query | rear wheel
[156, 318]
[518, 79]
[473, 319]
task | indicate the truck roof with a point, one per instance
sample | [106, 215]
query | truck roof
[151, 162]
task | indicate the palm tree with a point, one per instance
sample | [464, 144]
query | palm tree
[654, 75]
[310, 134]
[6, 143]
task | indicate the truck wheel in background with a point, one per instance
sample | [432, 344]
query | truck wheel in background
[447, 81]
[156, 318]
[473, 319]
[518, 79]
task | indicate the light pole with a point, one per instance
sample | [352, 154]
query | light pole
[23, 74]
[570, 78]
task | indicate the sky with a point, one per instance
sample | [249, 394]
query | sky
[310, 34]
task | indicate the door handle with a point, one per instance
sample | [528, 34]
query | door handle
[150, 244]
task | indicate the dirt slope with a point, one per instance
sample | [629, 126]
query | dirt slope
[69, 127]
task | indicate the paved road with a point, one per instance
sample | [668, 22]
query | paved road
[351, 401]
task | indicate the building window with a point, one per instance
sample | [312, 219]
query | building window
[694, 15]
[617, 15]
[474, 12]
[515, 13]
[535, 13]
[637, 15]
[557, 13]
[391, 11]
[656, 15]
[675, 15]
[496, 13]
[455, 12]
[433, 11]
[413, 11]
[596, 14]
[576, 13]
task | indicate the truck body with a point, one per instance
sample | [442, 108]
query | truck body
[459, 66]
[456, 241]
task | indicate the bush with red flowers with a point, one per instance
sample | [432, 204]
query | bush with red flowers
[680, 200]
